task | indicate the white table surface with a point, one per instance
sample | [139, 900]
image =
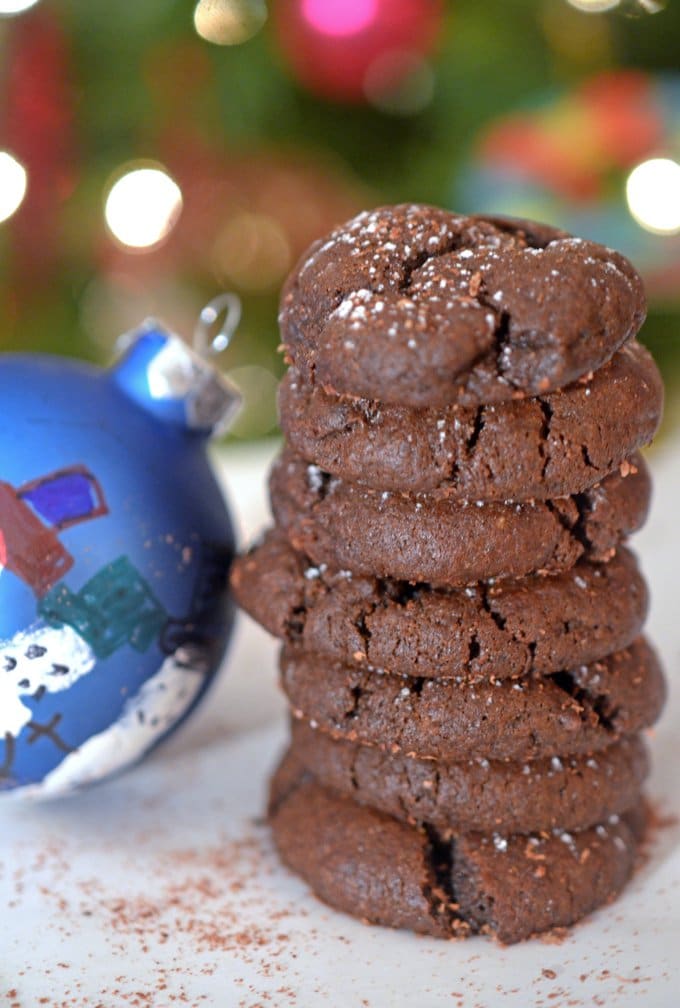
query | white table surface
[160, 888]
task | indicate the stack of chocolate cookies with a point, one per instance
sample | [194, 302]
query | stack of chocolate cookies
[461, 621]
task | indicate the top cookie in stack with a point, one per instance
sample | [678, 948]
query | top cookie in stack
[418, 307]
[461, 622]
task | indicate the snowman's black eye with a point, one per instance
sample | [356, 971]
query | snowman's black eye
[35, 651]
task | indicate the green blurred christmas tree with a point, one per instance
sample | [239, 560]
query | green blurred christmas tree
[270, 141]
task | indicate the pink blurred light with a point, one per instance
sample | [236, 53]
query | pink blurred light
[339, 17]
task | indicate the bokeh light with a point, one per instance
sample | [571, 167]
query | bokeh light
[339, 18]
[330, 45]
[594, 6]
[229, 22]
[10, 7]
[630, 7]
[142, 207]
[13, 182]
[653, 194]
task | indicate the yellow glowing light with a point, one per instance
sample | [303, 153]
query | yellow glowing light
[653, 194]
[9, 7]
[594, 6]
[229, 22]
[142, 207]
[12, 185]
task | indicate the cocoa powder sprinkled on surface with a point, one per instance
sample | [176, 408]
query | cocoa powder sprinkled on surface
[188, 916]
[214, 903]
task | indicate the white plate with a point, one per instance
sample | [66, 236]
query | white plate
[161, 888]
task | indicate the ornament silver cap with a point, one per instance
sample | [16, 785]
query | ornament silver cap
[177, 384]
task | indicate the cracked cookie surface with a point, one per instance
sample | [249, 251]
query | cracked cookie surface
[448, 885]
[572, 792]
[418, 306]
[578, 710]
[539, 448]
[538, 624]
[436, 539]
[460, 621]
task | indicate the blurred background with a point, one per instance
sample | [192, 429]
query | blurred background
[154, 153]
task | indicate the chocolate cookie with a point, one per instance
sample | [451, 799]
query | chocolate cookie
[539, 624]
[579, 710]
[416, 306]
[371, 866]
[572, 792]
[530, 448]
[435, 539]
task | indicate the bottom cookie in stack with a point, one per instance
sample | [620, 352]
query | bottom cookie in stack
[441, 882]
[506, 807]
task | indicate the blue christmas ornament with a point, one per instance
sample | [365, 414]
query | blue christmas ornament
[115, 546]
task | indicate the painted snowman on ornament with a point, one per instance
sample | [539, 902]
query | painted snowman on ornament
[115, 546]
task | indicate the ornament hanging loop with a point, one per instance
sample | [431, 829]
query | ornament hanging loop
[207, 345]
